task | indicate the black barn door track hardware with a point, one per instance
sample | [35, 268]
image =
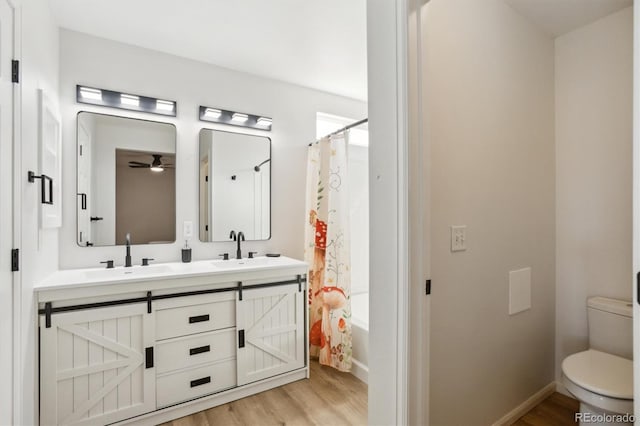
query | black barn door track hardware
[43, 187]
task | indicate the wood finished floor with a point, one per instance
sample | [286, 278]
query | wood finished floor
[556, 410]
[328, 398]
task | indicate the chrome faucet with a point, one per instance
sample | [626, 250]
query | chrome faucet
[127, 258]
[239, 237]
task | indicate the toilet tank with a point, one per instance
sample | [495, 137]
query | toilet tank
[610, 326]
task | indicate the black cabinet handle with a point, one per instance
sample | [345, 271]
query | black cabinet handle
[638, 288]
[148, 355]
[83, 200]
[94, 218]
[45, 181]
[199, 350]
[198, 318]
[200, 382]
[240, 338]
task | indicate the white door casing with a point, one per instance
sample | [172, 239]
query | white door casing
[636, 210]
[6, 211]
[272, 319]
[93, 365]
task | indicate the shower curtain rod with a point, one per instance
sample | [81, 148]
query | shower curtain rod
[356, 124]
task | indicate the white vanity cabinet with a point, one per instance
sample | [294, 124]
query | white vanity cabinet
[145, 351]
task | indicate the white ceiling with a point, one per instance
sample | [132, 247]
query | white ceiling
[557, 17]
[319, 44]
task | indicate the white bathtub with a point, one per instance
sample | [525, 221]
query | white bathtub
[360, 334]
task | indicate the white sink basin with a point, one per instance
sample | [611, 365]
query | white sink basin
[121, 271]
[246, 263]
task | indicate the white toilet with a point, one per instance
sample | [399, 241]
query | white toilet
[601, 378]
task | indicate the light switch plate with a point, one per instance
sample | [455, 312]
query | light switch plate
[187, 230]
[458, 237]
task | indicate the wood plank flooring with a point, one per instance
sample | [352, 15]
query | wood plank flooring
[328, 398]
[556, 410]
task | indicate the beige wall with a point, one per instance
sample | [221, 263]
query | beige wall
[594, 85]
[489, 120]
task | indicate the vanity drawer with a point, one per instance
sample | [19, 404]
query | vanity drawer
[191, 319]
[204, 348]
[194, 383]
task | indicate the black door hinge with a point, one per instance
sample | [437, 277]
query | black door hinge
[15, 71]
[15, 260]
[428, 287]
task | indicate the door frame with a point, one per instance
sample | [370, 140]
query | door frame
[636, 207]
[390, 343]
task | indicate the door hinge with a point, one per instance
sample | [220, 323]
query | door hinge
[15, 260]
[15, 71]
[428, 287]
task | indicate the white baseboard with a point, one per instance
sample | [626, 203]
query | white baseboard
[527, 405]
[360, 370]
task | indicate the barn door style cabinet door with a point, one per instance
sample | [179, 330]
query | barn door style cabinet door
[93, 366]
[270, 324]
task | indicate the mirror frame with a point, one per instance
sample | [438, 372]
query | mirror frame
[270, 182]
[175, 129]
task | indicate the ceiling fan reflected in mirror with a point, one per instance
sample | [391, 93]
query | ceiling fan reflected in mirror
[155, 166]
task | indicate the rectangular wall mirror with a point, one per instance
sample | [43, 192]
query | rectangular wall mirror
[235, 185]
[126, 180]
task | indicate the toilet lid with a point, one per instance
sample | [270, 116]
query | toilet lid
[600, 372]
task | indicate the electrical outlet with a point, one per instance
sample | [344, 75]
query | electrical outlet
[187, 230]
[458, 238]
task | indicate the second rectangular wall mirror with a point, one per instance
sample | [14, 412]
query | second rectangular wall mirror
[126, 180]
[235, 185]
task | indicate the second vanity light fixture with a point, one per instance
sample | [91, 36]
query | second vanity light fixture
[113, 99]
[223, 116]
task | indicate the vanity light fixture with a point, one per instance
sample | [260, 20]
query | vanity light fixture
[239, 117]
[91, 94]
[130, 100]
[223, 116]
[264, 122]
[113, 99]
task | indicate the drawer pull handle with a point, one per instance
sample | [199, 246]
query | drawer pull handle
[199, 318]
[200, 350]
[200, 382]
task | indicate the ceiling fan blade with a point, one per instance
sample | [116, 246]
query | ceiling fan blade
[138, 163]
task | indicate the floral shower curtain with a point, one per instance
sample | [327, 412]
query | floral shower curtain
[327, 252]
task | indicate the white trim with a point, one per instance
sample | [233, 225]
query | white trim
[403, 348]
[17, 362]
[360, 370]
[388, 328]
[522, 409]
[636, 205]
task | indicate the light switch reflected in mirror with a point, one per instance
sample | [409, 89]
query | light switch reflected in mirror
[235, 185]
[126, 180]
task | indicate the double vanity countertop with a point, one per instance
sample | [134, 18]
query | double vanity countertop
[215, 271]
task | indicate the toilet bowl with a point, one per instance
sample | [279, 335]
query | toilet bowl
[601, 378]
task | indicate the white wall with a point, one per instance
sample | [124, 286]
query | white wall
[488, 90]
[594, 88]
[105, 64]
[38, 249]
